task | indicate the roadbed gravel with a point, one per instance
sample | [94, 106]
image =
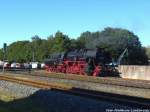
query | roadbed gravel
[38, 100]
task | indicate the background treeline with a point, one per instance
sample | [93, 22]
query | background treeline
[114, 40]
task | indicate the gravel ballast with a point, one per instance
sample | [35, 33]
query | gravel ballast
[31, 99]
[17, 90]
[109, 88]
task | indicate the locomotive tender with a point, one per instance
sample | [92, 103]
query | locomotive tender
[92, 62]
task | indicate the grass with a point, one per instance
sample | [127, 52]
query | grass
[6, 97]
[8, 103]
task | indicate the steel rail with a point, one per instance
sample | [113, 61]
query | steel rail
[119, 99]
[111, 81]
[39, 84]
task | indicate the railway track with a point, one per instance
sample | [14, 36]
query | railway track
[102, 80]
[38, 84]
[121, 99]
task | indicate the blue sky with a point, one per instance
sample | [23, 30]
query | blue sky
[22, 19]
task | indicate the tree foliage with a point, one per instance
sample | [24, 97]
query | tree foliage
[1, 54]
[19, 51]
[61, 42]
[113, 40]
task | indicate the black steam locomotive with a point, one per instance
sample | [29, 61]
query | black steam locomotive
[92, 62]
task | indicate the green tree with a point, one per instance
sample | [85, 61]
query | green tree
[1, 54]
[19, 51]
[115, 41]
[60, 42]
[40, 48]
[84, 40]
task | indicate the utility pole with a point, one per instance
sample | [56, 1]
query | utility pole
[33, 55]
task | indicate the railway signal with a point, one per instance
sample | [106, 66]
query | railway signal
[4, 56]
[4, 47]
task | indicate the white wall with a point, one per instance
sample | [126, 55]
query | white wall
[135, 72]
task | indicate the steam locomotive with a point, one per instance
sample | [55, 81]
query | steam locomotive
[92, 62]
